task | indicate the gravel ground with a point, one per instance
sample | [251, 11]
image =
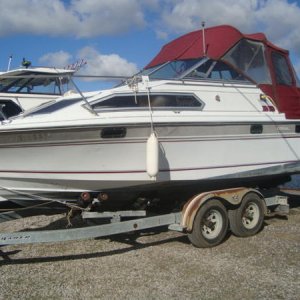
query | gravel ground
[154, 265]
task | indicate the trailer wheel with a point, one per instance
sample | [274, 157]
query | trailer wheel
[210, 225]
[247, 219]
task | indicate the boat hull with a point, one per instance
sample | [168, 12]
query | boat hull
[48, 164]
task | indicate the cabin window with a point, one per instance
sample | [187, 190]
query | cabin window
[248, 57]
[281, 68]
[8, 109]
[158, 101]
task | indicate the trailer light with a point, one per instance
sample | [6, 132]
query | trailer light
[102, 196]
[85, 196]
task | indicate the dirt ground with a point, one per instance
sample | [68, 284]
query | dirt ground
[154, 265]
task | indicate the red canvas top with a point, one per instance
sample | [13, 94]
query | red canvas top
[218, 41]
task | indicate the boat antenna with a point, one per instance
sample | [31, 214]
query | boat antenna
[203, 38]
[9, 62]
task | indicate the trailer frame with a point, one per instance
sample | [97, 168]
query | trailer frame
[136, 220]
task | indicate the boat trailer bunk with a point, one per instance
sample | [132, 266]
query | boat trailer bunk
[205, 218]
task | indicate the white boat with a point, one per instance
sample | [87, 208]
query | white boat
[209, 127]
[24, 88]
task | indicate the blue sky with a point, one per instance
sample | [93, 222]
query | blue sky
[120, 37]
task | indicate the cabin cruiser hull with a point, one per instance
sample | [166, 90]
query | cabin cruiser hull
[215, 129]
[44, 163]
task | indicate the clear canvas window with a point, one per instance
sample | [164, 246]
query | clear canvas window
[248, 56]
[281, 68]
[296, 77]
[297, 80]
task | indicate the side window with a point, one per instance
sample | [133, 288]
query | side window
[178, 101]
[8, 109]
[296, 77]
[158, 101]
[117, 101]
[281, 68]
[297, 80]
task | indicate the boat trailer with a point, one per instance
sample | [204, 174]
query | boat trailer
[205, 218]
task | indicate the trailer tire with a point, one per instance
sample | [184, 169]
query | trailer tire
[247, 219]
[210, 225]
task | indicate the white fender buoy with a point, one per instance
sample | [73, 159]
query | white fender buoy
[152, 159]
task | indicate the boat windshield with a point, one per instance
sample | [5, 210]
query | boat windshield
[195, 69]
[214, 70]
[37, 84]
[170, 70]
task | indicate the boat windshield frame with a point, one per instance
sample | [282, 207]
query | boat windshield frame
[176, 72]
[150, 71]
[190, 66]
[194, 67]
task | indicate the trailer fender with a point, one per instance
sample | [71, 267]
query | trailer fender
[232, 196]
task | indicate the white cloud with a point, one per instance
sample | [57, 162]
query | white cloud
[96, 63]
[105, 64]
[58, 59]
[106, 17]
[187, 15]
[81, 18]
[34, 16]
[279, 19]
